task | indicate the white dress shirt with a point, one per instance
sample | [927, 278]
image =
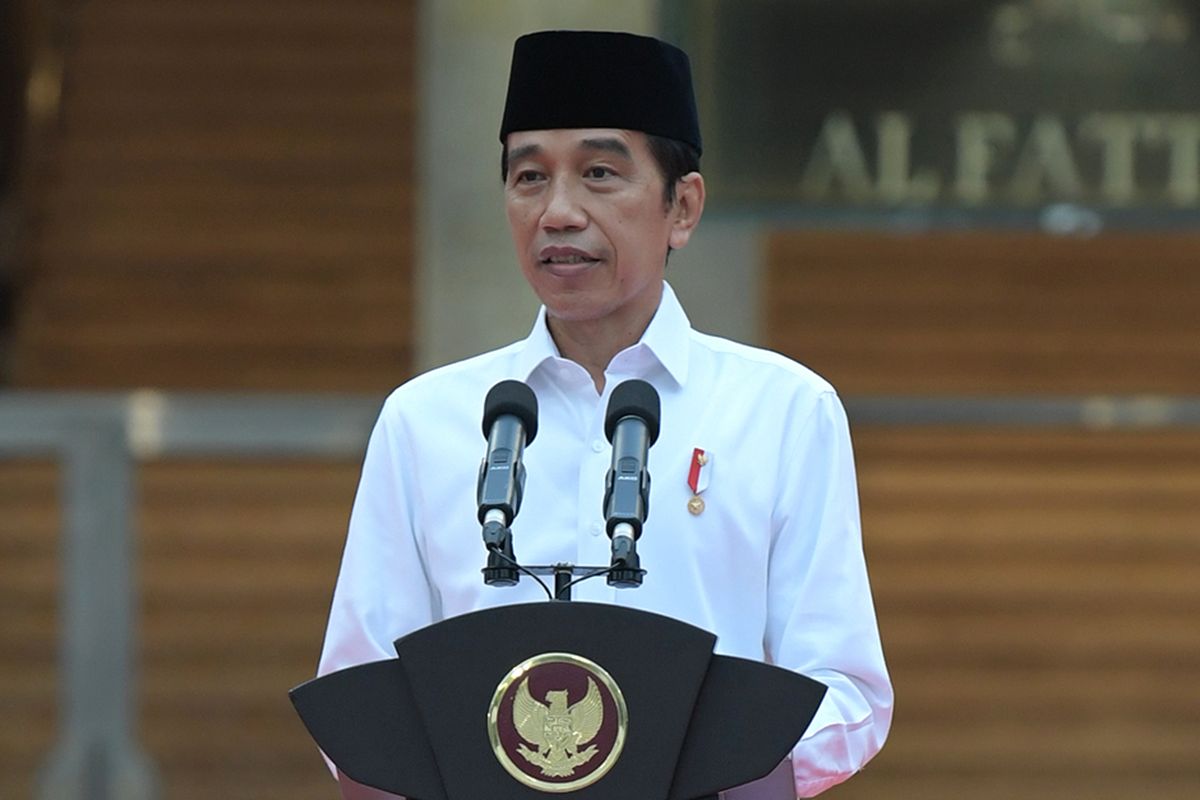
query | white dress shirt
[773, 565]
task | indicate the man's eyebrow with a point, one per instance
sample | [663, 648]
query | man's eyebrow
[608, 145]
[524, 151]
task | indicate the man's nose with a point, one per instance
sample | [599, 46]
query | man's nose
[563, 210]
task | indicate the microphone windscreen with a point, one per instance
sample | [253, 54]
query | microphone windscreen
[634, 398]
[511, 397]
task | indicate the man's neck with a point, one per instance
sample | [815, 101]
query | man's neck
[592, 344]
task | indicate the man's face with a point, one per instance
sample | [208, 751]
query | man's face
[590, 223]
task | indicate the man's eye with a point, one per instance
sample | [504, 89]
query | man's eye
[599, 172]
[528, 176]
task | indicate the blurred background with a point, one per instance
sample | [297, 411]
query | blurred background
[229, 227]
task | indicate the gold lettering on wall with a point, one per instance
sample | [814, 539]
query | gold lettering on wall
[1046, 163]
[981, 139]
[1117, 135]
[1118, 159]
[837, 158]
[897, 183]
[1181, 133]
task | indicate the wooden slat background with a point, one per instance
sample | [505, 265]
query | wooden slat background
[1038, 590]
[238, 566]
[235, 572]
[980, 313]
[29, 588]
[227, 202]
[1039, 599]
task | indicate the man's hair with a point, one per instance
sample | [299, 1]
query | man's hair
[673, 157]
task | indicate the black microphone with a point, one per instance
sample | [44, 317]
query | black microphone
[631, 425]
[509, 423]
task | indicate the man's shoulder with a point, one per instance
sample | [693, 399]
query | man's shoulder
[447, 386]
[740, 361]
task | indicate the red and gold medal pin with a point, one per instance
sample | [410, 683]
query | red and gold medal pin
[698, 475]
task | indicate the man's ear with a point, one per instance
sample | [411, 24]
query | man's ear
[687, 208]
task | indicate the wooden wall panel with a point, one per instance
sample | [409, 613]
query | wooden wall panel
[1038, 595]
[1037, 592]
[29, 638]
[1037, 589]
[226, 203]
[988, 312]
[228, 200]
[238, 565]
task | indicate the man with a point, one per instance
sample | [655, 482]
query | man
[601, 148]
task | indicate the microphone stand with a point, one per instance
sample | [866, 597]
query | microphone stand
[566, 575]
[502, 568]
[625, 505]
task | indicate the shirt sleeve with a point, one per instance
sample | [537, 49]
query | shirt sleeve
[821, 618]
[382, 590]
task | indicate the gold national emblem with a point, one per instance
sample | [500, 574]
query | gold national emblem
[557, 722]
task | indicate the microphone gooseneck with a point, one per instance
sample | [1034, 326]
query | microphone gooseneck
[509, 424]
[631, 425]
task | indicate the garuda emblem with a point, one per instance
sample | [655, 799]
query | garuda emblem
[559, 731]
[557, 722]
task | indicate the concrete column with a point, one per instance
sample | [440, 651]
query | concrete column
[97, 756]
[718, 276]
[471, 296]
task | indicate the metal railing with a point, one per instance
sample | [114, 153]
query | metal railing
[99, 438]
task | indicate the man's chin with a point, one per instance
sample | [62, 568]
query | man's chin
[569, 272]
[573, 307]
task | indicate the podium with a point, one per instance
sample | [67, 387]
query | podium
[582, 700]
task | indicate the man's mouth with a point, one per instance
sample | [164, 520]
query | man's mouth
[566, 261]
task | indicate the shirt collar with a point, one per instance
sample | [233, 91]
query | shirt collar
[666, 339]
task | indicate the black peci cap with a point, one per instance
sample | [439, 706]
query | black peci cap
[600, 79]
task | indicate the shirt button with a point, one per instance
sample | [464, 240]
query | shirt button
[597, 445]
[597, 528]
